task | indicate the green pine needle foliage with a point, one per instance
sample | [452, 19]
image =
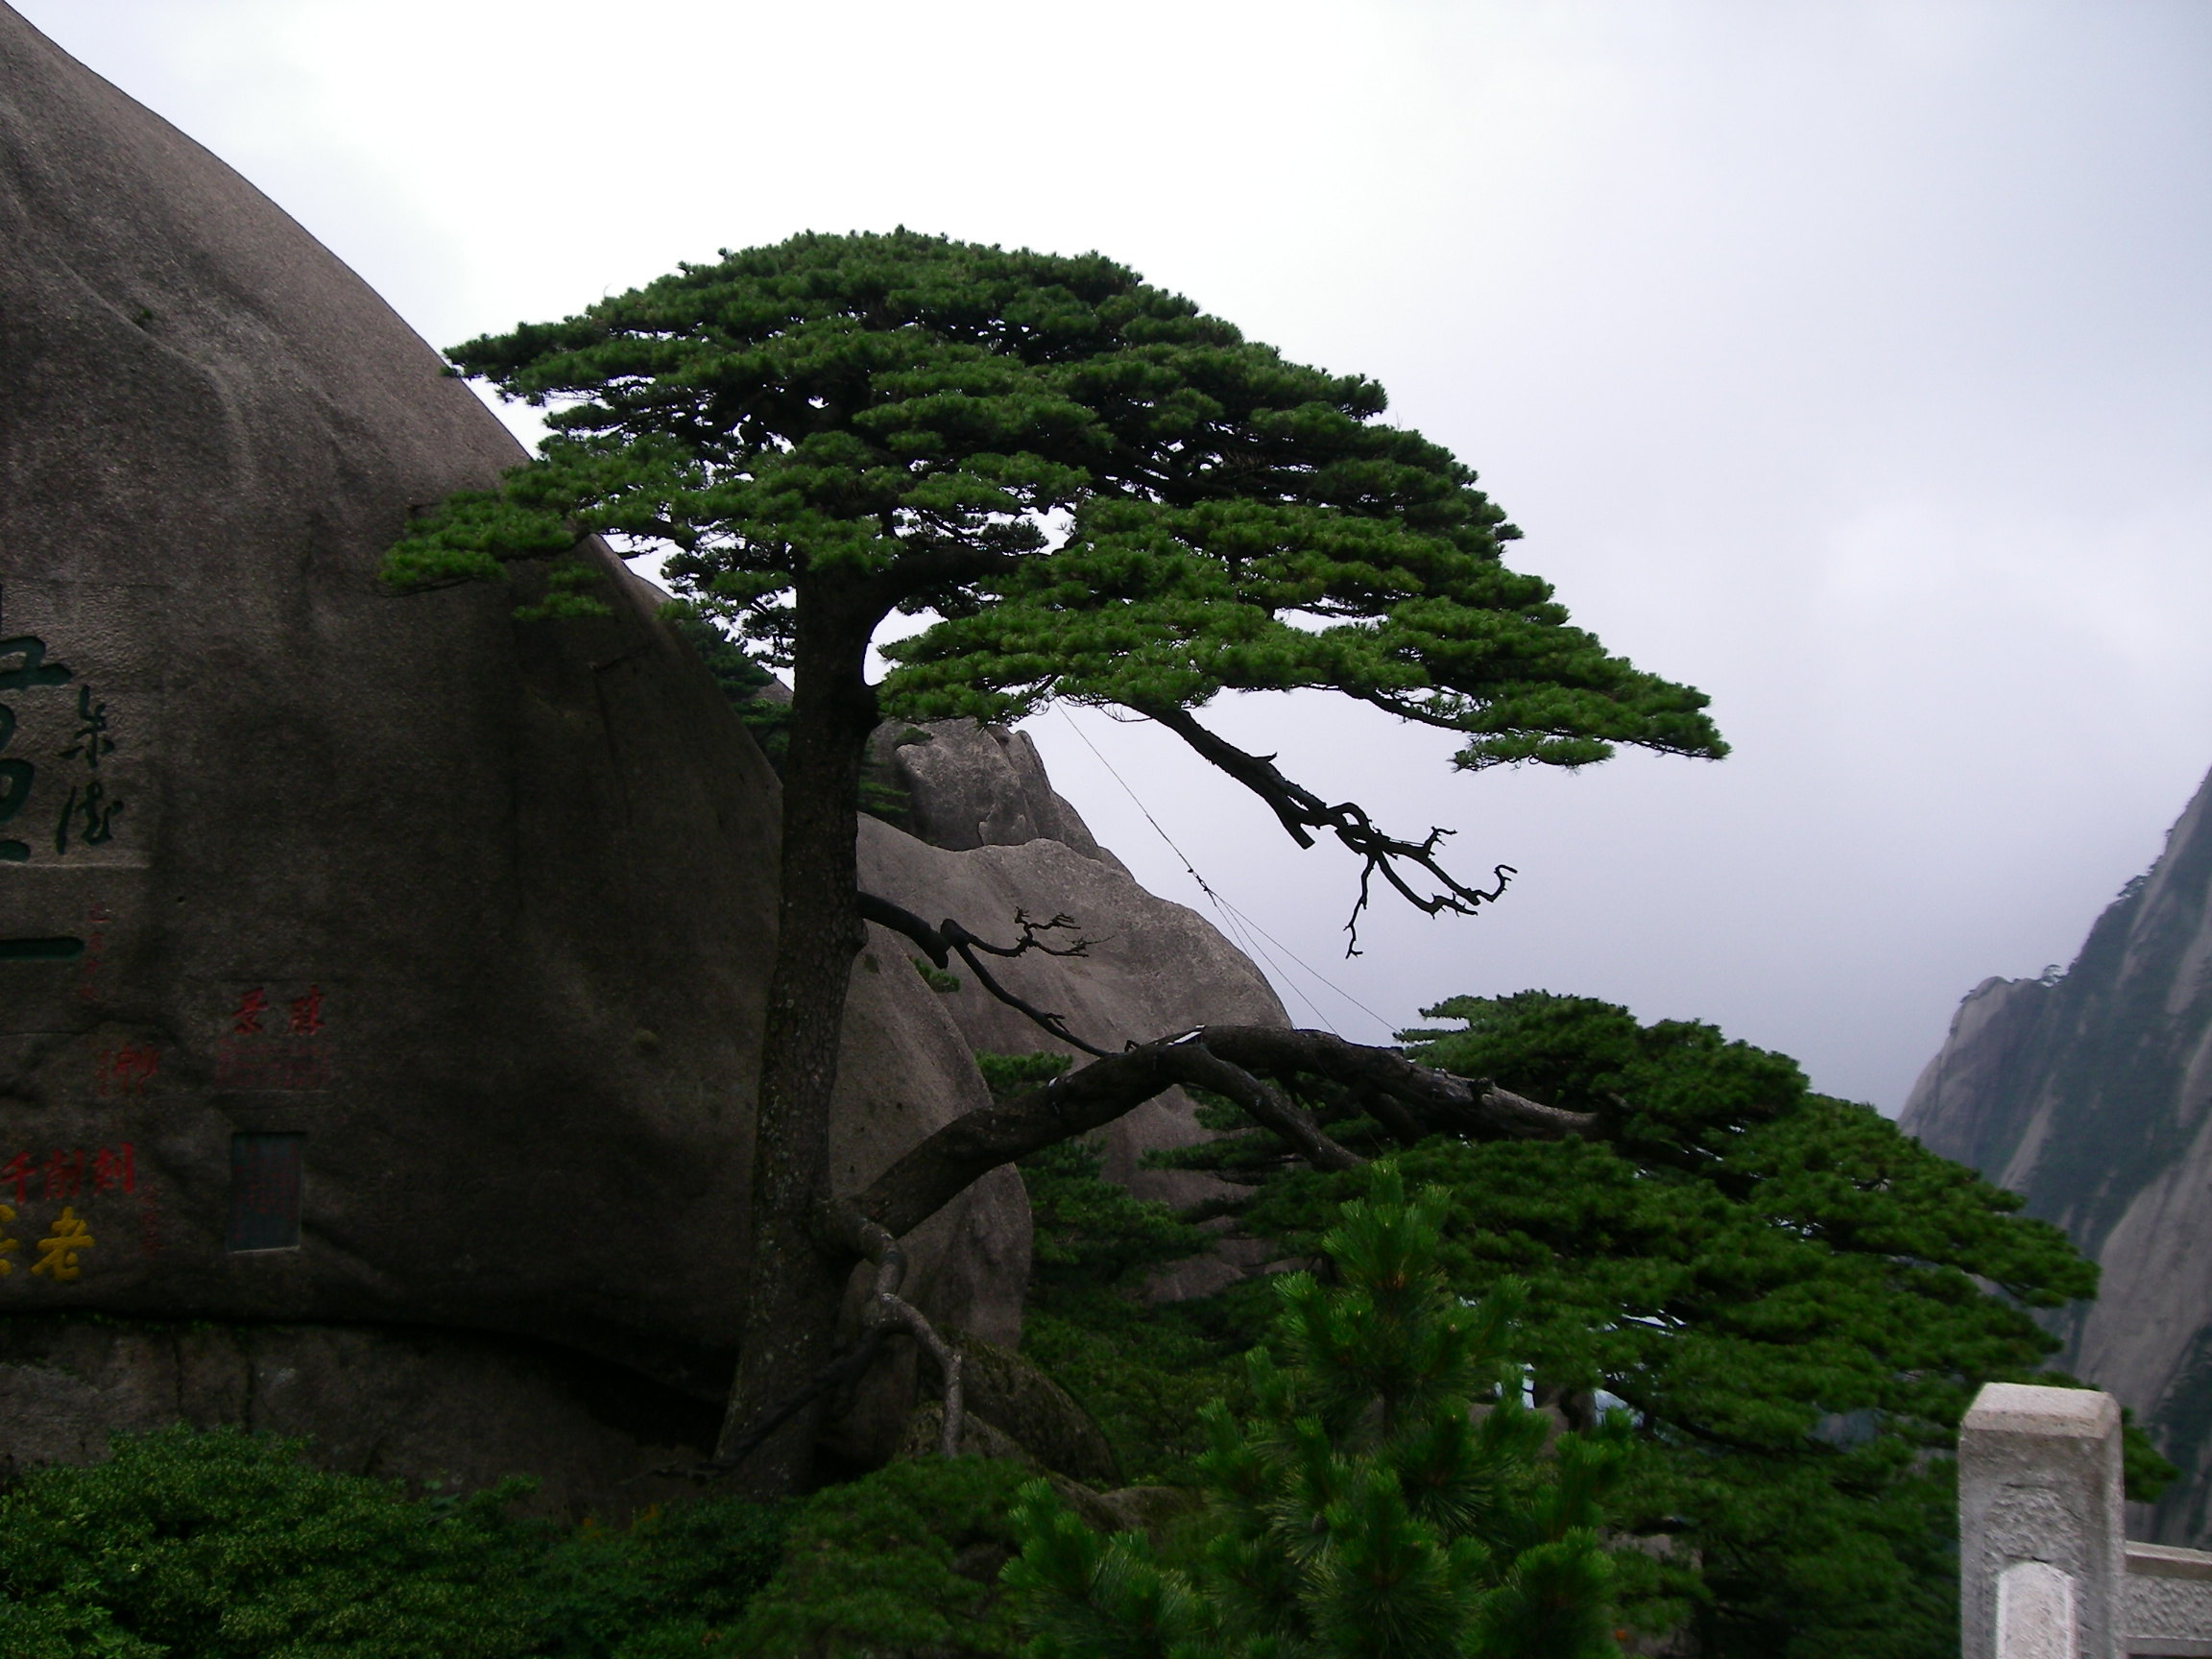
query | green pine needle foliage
[220, 1545]
[901, 1562]
[670, 1584]
[1791, 1297]
[1795, 1302]
[210, 1544]
[1387, 1497]
[1096, 491]
[934, 976]
[1143, 1370]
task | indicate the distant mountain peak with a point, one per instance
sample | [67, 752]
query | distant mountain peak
[2089, 1091]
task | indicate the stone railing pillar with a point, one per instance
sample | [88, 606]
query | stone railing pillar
[2041, 1556]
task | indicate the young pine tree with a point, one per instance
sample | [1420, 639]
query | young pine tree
[1390, 1498]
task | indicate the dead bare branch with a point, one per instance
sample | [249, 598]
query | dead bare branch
[1031, 929]
[1302, 812]
[949, 938]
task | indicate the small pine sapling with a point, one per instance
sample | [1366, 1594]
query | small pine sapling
[1391, 1497]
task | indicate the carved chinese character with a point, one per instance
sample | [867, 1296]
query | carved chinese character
[95, 950]
[128, 1069]
[114, 1168]
[57, 1250]
[30, 669]
[92, 814]
[15, 778]
[306, 1012]
[91, 740]
[245, 1018]
[64, 1175]
[8, 1246]
[17, 1173]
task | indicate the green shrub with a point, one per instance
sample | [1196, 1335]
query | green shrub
[903, 1561]
[672, 1584]
[219, 1545]
[211, 1544]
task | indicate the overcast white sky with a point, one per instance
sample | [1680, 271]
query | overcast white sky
[1850, 361]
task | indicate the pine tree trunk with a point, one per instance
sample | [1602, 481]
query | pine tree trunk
[796, 1286]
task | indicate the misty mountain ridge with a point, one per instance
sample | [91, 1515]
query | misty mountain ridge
[2087, 1092]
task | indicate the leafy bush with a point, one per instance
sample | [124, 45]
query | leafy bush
[903, 1561]
[211, 1544]
[670, 1584]
[220, 1545]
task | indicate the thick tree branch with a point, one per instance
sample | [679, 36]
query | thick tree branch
[1302, 812]
[956, 1156]
[1435, 1102]
[1230, 1060]
[1198, 1064]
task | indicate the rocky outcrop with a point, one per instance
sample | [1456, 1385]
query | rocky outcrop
[1020, 1400]
[969, 786]
[365, 962]
[2091, 1094]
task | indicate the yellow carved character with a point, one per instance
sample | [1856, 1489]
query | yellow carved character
[7, 1243]
[57, 1250]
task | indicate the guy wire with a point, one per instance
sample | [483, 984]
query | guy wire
[1238, 922]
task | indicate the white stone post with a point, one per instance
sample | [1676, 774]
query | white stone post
[2042, 1558]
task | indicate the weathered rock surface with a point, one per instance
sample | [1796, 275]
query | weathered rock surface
[1150, 968]
[971, 785]
[364, 961]
[2089, 1094]
[461, 1408]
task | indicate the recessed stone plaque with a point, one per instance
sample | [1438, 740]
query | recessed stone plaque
[265, 1176]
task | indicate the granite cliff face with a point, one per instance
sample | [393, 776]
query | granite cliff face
[997, 839]
[373, 963]
[381, 979]
[2091, 1094]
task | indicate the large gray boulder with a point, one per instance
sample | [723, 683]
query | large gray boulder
[364, 961]
[2091, 1094]
[971, 785]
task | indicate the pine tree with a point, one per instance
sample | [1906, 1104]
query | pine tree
[1391, 1497]
[1098, 492]
[1795, 1302]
